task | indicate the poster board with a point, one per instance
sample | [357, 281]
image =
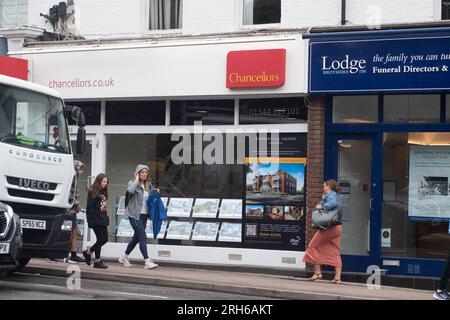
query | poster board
[429, 174]
[205, 208]
[231, 209]
[231, 232]
[179, 230]
[205, 231]
[180, 207]
[124, 229]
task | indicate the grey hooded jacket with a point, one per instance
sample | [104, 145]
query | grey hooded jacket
[136, 189]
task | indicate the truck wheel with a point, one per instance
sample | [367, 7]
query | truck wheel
[22, 263]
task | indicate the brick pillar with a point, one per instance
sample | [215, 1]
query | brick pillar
[315, 157]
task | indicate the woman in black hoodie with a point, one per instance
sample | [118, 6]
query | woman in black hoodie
[97, 218]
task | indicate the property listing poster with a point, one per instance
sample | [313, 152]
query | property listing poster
[274, 211]
[429, 174]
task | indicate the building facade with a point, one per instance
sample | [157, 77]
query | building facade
[144, 70]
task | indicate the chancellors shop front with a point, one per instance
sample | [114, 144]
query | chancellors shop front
[380, 116]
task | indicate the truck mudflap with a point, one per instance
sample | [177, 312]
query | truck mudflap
[10, 239]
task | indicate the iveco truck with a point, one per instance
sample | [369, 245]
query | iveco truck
[37, 177]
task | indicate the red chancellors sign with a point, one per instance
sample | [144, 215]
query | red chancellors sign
[256, 68]
[13, 67]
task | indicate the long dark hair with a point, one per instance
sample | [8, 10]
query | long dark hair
[96, 188]
[334, 186]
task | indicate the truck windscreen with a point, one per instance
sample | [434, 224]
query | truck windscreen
[33, 120]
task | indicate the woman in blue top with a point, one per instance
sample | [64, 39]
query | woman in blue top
[325, 244]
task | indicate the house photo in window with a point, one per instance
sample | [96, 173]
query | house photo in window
[445, 9]
[165, 14]
[261, 12]
[13, 13]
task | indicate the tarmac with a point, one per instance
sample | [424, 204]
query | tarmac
[237, 282]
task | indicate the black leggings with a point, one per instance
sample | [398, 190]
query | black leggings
[101, 233]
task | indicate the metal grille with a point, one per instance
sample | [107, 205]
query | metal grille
[3, 222]
[30, 195]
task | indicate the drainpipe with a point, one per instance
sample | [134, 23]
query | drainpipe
[343, 12]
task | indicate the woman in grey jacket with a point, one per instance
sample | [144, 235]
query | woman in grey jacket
[137, 212]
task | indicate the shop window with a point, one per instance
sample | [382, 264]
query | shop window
[209, 112]
[186, 180]
[412, 108]
[445, 10]
[13, 13]
[207, 202]
[267, 111]
[135, 113]
[355, 109]
[416, 200]
[261, 12]
[91, 110]
[165, 14]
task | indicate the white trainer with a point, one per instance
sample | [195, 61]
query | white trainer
[150, 265]
[125, 261]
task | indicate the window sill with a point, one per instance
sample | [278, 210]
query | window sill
[247, 27]
[163, 32]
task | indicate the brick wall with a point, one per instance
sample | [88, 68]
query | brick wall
[315, 154]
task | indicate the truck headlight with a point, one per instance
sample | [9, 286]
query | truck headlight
[67, 225]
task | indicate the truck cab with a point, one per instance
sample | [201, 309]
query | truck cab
[37, 176]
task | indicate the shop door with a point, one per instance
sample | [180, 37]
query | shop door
[83, 183]
[356, 163]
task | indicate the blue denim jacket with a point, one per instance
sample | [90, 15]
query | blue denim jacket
[331, 201]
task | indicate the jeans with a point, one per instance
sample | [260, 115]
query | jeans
[445, 275]
[139, 235]
[101, 233]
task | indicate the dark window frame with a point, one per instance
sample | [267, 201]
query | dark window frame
[445, 10]
[176, 112]
[264, 12]
[93, 117]
[126, 113]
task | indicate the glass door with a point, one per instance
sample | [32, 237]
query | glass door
[355, 165]
[83, 180]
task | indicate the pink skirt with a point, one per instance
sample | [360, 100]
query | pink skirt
[325, 247]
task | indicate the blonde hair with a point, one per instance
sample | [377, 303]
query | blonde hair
[147, 181]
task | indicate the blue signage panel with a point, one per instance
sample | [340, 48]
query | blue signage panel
[412, 64]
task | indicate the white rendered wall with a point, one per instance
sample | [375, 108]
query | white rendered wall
[117, 18]
[206, 16]
[97, 19]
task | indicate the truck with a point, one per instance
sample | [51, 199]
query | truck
[37, 176]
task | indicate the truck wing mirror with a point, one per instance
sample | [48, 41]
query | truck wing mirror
[76, 114]
[81, 140]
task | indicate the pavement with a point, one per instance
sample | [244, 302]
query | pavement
[237, 282]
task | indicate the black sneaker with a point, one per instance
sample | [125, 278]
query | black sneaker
[100, 265]
[76, 259]
[87, 258]
[441, 295]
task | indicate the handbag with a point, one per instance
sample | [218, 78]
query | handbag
[323, 219]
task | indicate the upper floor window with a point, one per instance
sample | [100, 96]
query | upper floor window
[445, 9]
[261, 12]
[165, 14]
[13, 13]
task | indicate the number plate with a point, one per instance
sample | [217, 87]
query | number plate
[4, 248]
[33, 224]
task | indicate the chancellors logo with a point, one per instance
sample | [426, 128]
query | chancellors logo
[343, 66]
